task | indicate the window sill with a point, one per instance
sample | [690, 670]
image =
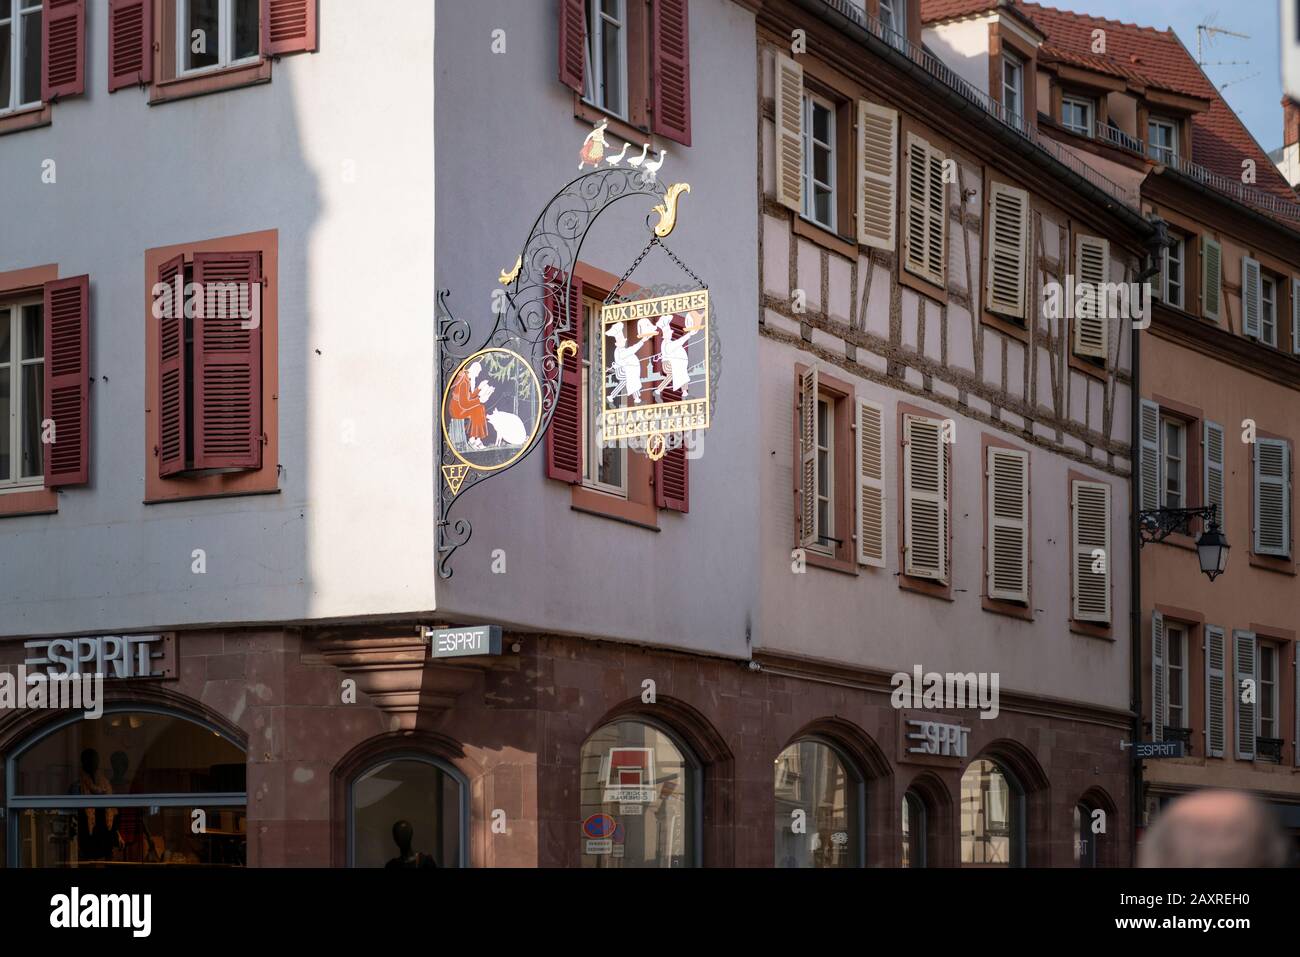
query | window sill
[175, 492]
[823, 237]
[926, 586]
[33, 501]
[1087, 367]
[1283, 566]
[920, 284]
[818, 559]
[1092, 629]
[33, 117]
[1005, 325]
[1010, 609]
[604, 505]
[233, 78]
[619, 127]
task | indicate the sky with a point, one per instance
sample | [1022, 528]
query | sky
[1257, 99]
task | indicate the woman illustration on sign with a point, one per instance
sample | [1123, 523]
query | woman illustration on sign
[627, 364]
[467, 404]
[673, 355]
[594, 146]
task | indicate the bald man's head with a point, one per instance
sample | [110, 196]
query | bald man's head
[1214, 829]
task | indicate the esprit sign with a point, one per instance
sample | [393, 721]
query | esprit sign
[928, 738]
[464, 642]
[113, 656]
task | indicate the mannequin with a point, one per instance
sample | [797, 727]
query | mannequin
[403, 835]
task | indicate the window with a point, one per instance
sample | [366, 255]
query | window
[991, 811]
[1211, 277]
[1090, 547]
[121, 790]
[893, 17]
[20, 54]
[640, 798]
[217, 34]
[1085, 841]
[1076, 115]
[1013, 85]
[1268, 690]
[913, 826]
[604, 467]
[1162, 140]
[1272, 497]
[825, 474]
[22, 393]
[1176, 676]
[1172, 275]
[1007, 521]
[925, 214]
[606, 64]
[819, 161]
[407, 812]
[1268, 311]
[1092, 314]
[824, 407]
[819, 808]
[1216, 691]
[926, 483]
[1008, 252]
[1173, 490]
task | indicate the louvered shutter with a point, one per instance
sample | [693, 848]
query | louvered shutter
[1251, 307]
[1008, 524]
[877, 174]
[809, 533]
[130, 43]
[1214, 468]
[670, 58]
[1272, 497]
[672, 472]
[937, 224]
[924, 214]
[1244, 664]
[67, 381]
[1295, 316]
[1211, 278]
[1159, 678]
[925, 485]
[1091, 325]
[1008, 253]
[173, 428]
[63, 47]
[1215, 691]
[288, 26]
[789, 133]
[872, 537]
[1149, 438]
[573, 44]
[1090, 520]
[1295, 741]
[564, 438]
[227, 362]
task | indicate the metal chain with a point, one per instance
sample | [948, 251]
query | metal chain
[654, 241]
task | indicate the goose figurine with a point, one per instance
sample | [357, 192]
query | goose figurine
[653, 167]
[645, 148]
[615, 160]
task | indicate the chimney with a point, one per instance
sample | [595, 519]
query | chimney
[1290, 121]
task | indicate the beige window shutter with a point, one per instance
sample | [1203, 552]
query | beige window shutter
[1251, 307]
[1008, 524]
[1272, 497]
[925, 486]
[1090, 540]
[1091, 326]
[924, 219]
[1211, 278]
[878, 175]
[789, 133]
[1215, 691]
[1246, 712]
[1008, 254]
[937, 226]
[809, 533]
[872, 535]
[1159, 678]
[1149, 462]
[1214, 467]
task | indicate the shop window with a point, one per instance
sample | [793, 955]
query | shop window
[127, 789]
[640, 799]
[819, 808]
[914, 823]
[992, 809]
[1085, 841]
[407, 812]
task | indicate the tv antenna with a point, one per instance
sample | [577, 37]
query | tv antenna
[1205, 34]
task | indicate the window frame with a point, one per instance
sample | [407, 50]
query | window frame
[594, 52]
[809, 183]
[225, 41]
[391, 757]
[1017, 814]
[1165, 154]
[856, 800]
[1182, 631]
[591, 424]
[1180, 243]
[917, 825]
[1166, 421]
[14, 307]
[1269, 287]
[1274, 683]
[893, 15]
[1088, 105]
[1013, 67]
[19, 11]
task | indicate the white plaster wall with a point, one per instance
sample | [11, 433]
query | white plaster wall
[963, 46]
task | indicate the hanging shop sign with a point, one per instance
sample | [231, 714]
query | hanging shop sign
[1145, 750]
[930, 739]
[464, 642]
[113, 656]
[491, 411]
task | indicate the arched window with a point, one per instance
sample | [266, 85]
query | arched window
[992, 817]
[1086, 843]
[640, 798]
[407, 810]
[819, 807]
[914, 824]
[135, 786]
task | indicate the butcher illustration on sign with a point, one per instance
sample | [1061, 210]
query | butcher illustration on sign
[492, 409]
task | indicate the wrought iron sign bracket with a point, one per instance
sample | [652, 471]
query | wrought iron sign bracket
[1157, 524]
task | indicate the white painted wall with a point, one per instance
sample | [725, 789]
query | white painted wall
[351, 531]
[963, 46]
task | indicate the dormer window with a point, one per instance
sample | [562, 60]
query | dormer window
[1013, 86]
[1077, 115]
[893, 17]
[1162, 140]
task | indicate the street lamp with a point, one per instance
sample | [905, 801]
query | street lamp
[1157, 524]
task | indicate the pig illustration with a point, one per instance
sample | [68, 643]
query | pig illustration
[509, 428]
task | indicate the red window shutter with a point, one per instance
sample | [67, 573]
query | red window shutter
[130, 43]
[63, 42]
[227, 363]
[672, 472]
[564, 438]
[172, 388]
[67, 381]
[573, 44]
[670, 65]
[288, 26]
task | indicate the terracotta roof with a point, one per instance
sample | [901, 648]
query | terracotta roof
[933, 10]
